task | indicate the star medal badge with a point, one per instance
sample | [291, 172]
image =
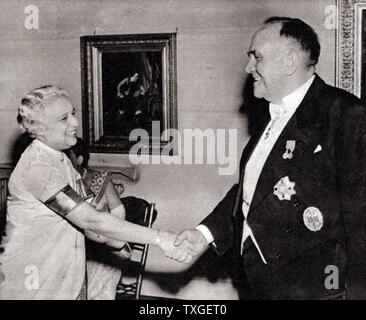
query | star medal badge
[284, 189]
[290, 147]
[313, 219]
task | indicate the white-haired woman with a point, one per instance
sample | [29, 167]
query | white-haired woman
[44, 247]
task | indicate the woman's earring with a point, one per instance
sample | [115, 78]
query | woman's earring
[80, 160]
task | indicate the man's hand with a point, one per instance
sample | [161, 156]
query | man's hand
[192, 240]
[180, 253]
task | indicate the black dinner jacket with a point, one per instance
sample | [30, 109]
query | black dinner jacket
[333, 180]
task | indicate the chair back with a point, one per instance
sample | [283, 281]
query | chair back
[137, 266]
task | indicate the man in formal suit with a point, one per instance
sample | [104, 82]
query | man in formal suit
[297, 217]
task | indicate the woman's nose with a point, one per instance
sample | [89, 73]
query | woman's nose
[73, 121]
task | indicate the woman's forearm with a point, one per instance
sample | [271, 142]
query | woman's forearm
[110, 242]
[88, 218]
[110, 226]
[119, 212]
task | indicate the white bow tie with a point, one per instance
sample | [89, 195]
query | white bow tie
[276, 110]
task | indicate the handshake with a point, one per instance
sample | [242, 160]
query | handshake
[181, 247]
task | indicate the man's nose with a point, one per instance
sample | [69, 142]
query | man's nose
[250, 66]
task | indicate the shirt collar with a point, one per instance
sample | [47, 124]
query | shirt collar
[291, 101]
[38, 143]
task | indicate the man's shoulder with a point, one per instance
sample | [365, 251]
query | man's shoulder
[332, 93]
[333, 100]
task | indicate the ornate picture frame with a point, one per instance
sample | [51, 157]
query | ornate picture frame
[128, 82]
[351, 46]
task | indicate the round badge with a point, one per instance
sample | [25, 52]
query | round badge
[313, 219]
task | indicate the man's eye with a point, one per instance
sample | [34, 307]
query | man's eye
[258, 58]
[63, 118]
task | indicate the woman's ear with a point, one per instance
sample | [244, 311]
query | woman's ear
[41, 130]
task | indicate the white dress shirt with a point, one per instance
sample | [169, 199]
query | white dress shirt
[280, 116]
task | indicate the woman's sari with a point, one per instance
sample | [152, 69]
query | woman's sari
[103, 263]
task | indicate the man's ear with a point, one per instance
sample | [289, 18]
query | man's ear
[292, 62]
[80, 160]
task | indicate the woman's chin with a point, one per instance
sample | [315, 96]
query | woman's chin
[71, 141]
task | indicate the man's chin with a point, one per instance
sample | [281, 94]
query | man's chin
[258, 94]
[258, 89]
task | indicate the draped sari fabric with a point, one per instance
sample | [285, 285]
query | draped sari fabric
[44, 255]
[103, 264]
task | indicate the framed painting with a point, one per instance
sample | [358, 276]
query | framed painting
[128, 83]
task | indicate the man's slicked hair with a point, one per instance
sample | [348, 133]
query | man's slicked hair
[301, 32]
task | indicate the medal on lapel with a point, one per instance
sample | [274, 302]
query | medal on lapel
[290, 147]
[313, 219]
[284, 189]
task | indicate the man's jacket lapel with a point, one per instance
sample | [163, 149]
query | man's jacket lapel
[247, 152]
[301, 128]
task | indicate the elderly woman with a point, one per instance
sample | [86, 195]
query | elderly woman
[44, 247]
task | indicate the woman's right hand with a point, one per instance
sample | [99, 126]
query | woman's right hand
[165, 241]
